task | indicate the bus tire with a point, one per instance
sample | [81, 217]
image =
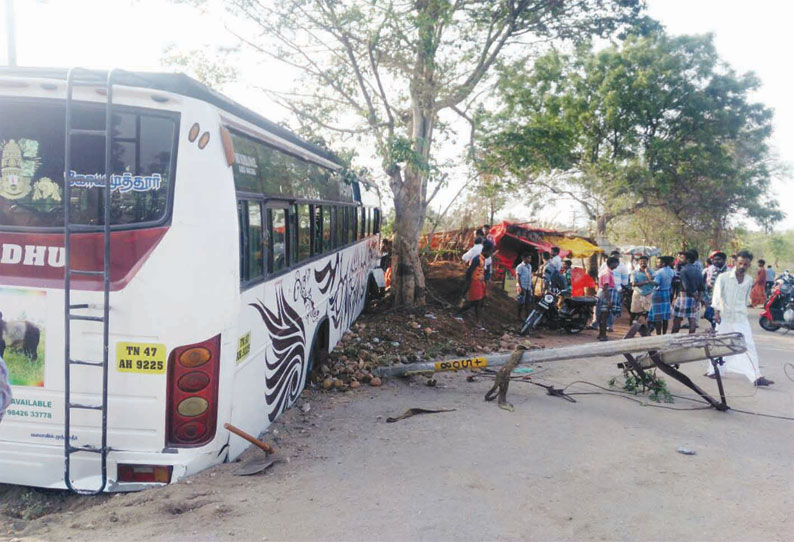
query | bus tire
[374, 292]
[318, 354]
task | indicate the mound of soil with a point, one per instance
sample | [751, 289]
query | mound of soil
[383, 336]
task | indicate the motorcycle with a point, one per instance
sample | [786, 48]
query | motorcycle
[573, 316]
[779, 307]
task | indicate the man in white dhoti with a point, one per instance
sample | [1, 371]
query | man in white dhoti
[731, 294]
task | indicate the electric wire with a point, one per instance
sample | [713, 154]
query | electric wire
[629, 395]
[785, 370]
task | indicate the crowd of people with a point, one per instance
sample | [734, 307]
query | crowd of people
[677, 294]
[679, 289]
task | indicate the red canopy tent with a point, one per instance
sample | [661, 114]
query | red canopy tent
[511, 240]
[514, 239]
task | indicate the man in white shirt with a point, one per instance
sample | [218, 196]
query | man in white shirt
[621, 277]
[556, 261]
[474, 251]
[731, 294]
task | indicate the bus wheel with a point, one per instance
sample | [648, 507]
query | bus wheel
[374, 292]
[318, 355]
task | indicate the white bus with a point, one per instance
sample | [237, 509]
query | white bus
[139, 315]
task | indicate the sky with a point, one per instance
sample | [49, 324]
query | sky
[132, 34]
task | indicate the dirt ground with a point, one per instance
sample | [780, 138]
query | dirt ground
[604, 467]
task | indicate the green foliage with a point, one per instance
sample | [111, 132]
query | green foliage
[776, 248]
[22, 371]
[213, 68]
[384, 71]
[387, 225]
[659, 122]
[634, 383]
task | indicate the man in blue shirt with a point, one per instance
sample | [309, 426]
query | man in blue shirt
[690, 295]
[770, 279]
[660, 309]
[524, 284]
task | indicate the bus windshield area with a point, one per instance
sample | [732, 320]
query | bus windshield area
[32, 141]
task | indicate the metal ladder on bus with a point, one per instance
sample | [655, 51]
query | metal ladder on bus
[78, 77]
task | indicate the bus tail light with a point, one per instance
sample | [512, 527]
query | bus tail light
[192, 414]
[144, 473]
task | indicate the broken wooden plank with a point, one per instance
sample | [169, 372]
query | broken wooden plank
[704, 344]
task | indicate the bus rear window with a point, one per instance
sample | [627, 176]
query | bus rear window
[32, 165]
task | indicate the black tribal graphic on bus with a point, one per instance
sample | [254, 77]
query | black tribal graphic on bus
[347, 289]
[286, 359]
[326, 276]
[286, 365]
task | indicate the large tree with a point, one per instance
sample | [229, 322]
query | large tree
[655, 122]
[385, 70]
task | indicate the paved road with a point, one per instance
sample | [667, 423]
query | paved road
[601, 468]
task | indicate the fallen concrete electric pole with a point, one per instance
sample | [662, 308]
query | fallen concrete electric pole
[685, 348]
[660, 351]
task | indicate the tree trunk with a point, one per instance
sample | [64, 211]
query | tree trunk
[408, 280]
[601, 222]
[716, 235]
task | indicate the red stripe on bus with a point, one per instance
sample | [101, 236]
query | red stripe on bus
[37, 259]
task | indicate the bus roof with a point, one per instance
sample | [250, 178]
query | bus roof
[177, 83]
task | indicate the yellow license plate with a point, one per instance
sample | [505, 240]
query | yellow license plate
[461, 364]
[243, 347]
[143, 358]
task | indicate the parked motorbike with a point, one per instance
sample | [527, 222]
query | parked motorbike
[573, 317]
[779, 307]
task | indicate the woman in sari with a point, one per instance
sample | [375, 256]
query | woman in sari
[475, 278]
[758, 293]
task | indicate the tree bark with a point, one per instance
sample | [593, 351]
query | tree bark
[716, 235]
[409, 187]
[601, 224]
[408, 279]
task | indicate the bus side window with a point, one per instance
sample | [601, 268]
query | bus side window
[242, 218]
[376, 221]
[257, 241]
[369, 221]
[339, 240]
[278, 238]
[317, 229]
[303, 219]
[362, 222]
[293, 234]
[350, 215]
[327, 242]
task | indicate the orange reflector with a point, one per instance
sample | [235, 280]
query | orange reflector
[160, 474]
[192, 406]
[195, 357]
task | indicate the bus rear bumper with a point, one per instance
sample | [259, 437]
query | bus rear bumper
[40, 465]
